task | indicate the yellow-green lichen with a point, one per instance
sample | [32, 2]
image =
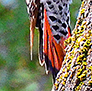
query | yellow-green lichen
[77, 68]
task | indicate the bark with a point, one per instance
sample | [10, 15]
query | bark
[76, 71]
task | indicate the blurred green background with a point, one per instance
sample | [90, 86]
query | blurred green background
[17, 72]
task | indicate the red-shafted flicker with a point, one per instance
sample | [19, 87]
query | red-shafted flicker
[52, 17]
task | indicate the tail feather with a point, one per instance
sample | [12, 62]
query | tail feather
[41, 61]
[56, 58]
[60, 51]
[33, 12]
[32, 28]
[50, 55]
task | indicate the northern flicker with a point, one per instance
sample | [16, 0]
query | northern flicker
[52, 17]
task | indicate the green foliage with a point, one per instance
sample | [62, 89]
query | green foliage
[17, 72]
[74, 11]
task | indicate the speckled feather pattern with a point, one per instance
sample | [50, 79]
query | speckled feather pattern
[76, 71]
[58, 15]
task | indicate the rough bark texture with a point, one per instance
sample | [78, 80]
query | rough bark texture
[76, 71]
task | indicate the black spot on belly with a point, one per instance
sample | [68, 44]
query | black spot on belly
[64, 25]
[65, 13]
[52, 18]
[51, 6]
[59, 21]
[57, 2]
[54, 0]
[63, 32]
[48, 2]
[60, 7]
[67, 20]
[64, 4]
[60, 13]
[57, 36]
[55, 27]
[55, 12]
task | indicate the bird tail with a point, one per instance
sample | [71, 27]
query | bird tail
[32, 28]
[33, 20]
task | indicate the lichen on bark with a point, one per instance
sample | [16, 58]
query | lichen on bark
[76, 71]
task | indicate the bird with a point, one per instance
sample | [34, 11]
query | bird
[76, 71]
[52, 17]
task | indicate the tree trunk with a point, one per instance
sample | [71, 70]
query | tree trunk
[76, 71]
